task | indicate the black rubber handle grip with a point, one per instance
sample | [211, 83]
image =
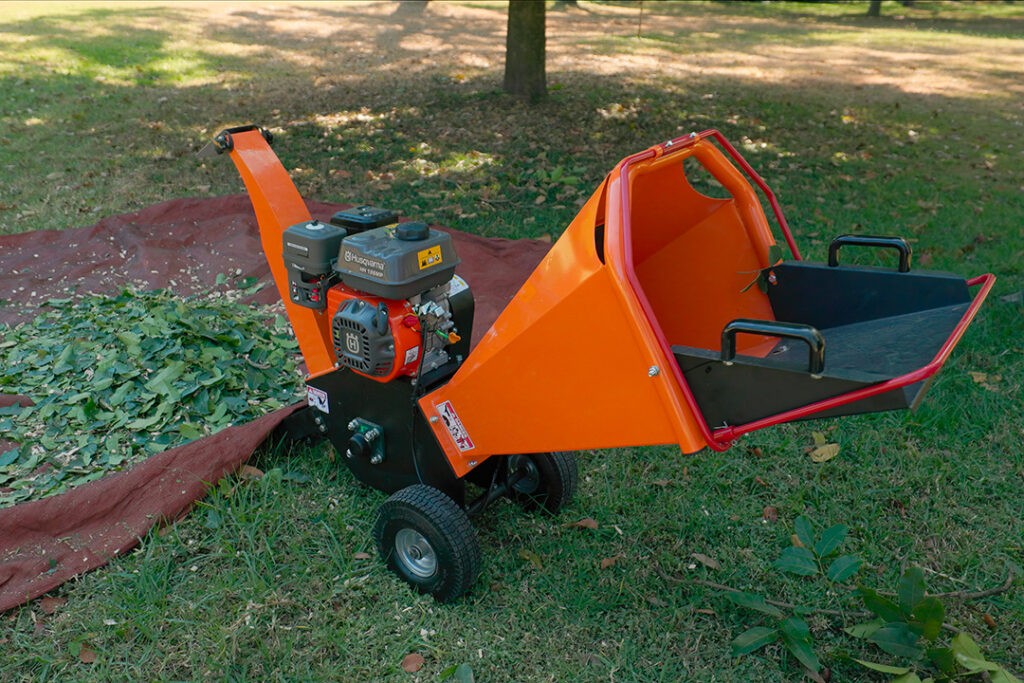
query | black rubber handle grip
[771, 328]
[897, 243]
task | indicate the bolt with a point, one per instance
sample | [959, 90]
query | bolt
[433, 418]
[353, 425]
[323, 428]
[472, 463]
[348, 454]
[653, 371]
[376, 459]
[372, 434]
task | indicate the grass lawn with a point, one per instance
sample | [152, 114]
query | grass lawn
[908, 124]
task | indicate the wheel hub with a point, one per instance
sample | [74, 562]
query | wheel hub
[529, 480]
[415, 553]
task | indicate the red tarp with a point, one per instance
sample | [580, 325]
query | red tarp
[181, 244]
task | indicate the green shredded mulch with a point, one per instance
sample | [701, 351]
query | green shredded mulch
[118, 378]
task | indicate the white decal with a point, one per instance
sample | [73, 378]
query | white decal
[456, 285]
[411, 355]
[317, 398]
[454, 425]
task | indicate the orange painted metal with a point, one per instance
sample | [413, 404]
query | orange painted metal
[574, 361]
[406, 338]
[278, 205]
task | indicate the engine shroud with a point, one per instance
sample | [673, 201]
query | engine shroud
[374, 336]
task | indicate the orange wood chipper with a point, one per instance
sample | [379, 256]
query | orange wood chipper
[639, 327]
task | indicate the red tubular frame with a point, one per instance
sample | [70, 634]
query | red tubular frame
[722, 439]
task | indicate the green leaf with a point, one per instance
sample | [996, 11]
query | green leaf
[464, 674]
[929, 614]
[898, 639]
[909, 677]
[753, 639]
[866, 629]
[843, 567]
[775, 254]
[221, 278]
[883, 668]
[797, 638]
[830, 540]
[943, 659]
[1001, 675]
[880, 605]
[797, 561]
[964, 645]
[911, 589]
[804, 531]
[7, 457]
[754, 602]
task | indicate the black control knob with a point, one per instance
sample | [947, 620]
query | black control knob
[412, 231]
[358, 447]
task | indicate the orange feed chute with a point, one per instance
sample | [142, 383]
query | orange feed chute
[575, 361]
[278, 205]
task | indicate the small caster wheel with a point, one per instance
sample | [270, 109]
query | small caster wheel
[546, 480]
[427, 540]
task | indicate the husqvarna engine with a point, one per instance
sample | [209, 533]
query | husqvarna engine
[396, 300]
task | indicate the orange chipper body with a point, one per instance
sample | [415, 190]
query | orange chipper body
[661, 315]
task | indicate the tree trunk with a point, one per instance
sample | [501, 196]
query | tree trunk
[524, 50]
[875, 8]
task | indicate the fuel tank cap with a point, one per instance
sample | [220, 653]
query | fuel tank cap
[412, 231]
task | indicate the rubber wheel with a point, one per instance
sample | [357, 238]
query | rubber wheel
[548, 482]
[427, 540]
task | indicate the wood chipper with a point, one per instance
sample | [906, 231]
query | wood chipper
[640, 327]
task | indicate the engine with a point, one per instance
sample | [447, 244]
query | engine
[391, 288]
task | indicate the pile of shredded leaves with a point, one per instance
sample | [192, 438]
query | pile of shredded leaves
[118, 378]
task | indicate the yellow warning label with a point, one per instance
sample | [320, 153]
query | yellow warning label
[429, 257]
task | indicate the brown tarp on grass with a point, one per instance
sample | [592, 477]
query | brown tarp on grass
[182, 244]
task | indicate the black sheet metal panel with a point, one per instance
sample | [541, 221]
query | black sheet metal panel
[412, 453]
[877, 325]
[815, 294]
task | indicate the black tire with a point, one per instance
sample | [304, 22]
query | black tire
[427, 540]
[549, 480]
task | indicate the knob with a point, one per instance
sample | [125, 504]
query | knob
[412, 231]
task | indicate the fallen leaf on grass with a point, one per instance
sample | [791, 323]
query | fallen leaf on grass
[361, 556]
[532, 557]
[250, 472]
[662, 482]
[546, 237]
[610, 561]
[796, 541]
[770, 514]
[586, 523]
[412, 663]
[761, 482]
[702, 610]
[50, 604]
[989, 621]
[825, 453]
[819, 438]
[86, 655]
[342, 173]
[709, 562]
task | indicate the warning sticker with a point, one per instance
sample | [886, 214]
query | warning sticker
[454, 425]
[317, 398]
[456, 285]
[429, 257]
[411, 355]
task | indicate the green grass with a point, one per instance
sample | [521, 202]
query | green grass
[104, 106]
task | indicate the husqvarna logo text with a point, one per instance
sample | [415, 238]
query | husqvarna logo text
[352, 342]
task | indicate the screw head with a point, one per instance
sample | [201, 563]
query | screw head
[472, 463]
[653, 371]
[433, 418]
[376, 459]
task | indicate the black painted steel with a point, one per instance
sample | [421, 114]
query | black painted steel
[876, 324]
